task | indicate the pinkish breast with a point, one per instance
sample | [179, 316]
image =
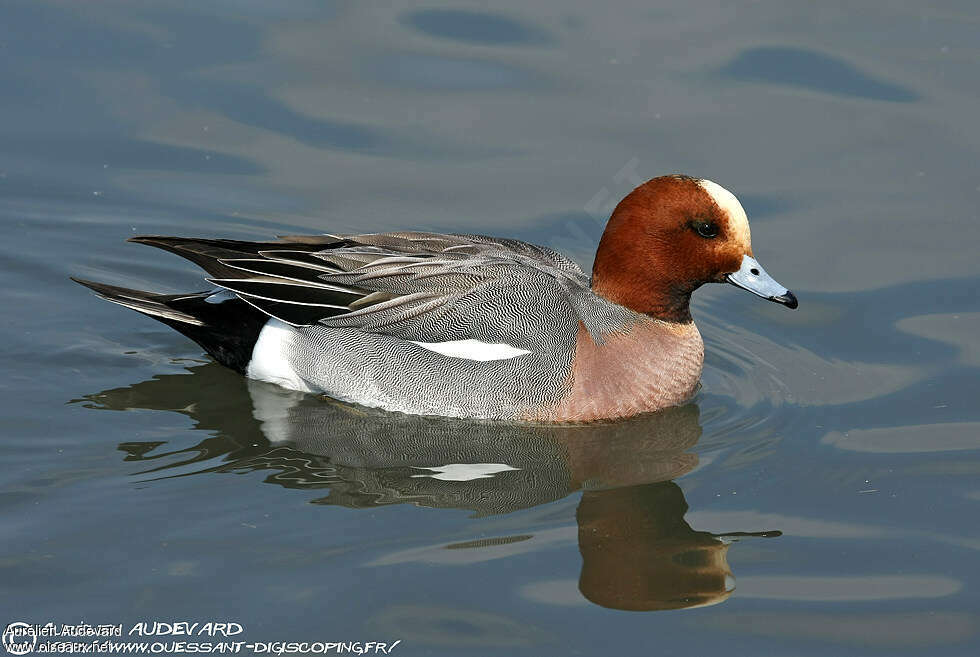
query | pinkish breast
[651, 366]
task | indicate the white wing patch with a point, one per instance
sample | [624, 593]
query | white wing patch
[738, 223]
[473, 349]
[464, 471]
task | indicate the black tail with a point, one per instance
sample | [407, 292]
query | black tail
[208, 253]
[227, 330]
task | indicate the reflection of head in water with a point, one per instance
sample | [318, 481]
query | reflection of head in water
[638, 553]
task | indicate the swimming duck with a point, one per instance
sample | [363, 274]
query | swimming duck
[474, 326]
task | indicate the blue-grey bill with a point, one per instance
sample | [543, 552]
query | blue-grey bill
[752, 277]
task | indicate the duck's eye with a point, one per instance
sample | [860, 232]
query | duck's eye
[707, 229]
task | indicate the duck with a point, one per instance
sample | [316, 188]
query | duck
[473, 326]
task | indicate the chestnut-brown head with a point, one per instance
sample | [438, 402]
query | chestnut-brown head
[668, 237]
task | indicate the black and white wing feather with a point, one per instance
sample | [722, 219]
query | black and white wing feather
[422, 287]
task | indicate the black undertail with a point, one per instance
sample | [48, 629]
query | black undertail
[227, 330]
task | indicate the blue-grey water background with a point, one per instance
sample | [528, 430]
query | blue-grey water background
[141, 482]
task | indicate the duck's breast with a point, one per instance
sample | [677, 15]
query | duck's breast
[650, 366]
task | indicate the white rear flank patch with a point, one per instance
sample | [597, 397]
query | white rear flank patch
[473, 349]
[269, 357]
[465, 471]
[738, 223]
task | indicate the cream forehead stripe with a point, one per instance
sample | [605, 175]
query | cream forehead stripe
[738, 223]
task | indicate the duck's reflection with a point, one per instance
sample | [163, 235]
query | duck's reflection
[638, 552]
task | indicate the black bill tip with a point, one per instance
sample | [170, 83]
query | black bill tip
[788, 299]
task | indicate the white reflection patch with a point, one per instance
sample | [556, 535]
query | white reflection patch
[465, 471]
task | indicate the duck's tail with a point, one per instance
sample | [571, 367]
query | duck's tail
[224, 325]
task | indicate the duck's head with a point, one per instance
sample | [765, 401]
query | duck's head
[668, 237]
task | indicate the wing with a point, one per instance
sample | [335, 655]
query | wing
[415, 286]
[441, 243]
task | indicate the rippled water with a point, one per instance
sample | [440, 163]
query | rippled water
[827, 470]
